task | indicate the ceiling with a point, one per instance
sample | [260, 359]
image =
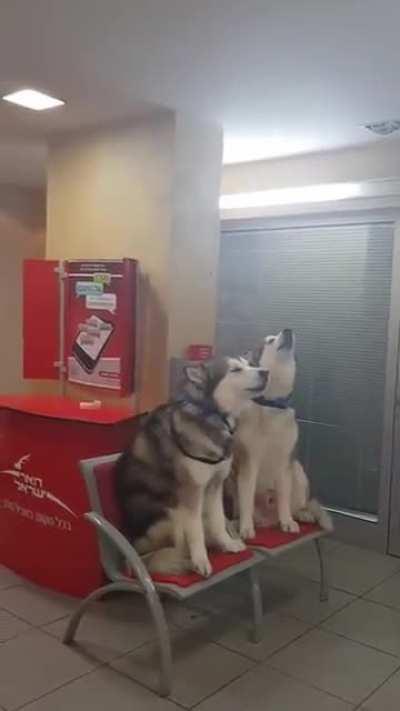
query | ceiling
[281, 76]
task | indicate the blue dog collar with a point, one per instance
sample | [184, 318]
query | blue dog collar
[279, 403]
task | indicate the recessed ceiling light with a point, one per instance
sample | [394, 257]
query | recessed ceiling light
[32, 99]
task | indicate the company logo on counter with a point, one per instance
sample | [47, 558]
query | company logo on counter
[32, 485]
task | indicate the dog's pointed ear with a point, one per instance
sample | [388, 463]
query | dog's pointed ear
[195, 374]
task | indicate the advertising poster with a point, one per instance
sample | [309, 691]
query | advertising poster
[100, 323]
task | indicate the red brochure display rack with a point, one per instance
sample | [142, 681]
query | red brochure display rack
[43, 535]
[80, 322]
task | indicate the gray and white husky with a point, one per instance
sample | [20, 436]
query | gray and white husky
[272, 487]
[169, 483]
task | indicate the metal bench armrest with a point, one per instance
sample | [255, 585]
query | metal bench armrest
[114, 537]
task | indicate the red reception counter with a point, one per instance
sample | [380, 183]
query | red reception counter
[43, 535]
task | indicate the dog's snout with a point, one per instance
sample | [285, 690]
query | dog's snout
[286, 339]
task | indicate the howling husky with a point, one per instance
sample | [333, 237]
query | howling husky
[272, 487]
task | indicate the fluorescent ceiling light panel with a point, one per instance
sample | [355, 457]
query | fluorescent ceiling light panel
[32, 99]
[291, 196]
[239, 149]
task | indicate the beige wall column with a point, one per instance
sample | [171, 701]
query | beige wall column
[147, 190]
[195, 234]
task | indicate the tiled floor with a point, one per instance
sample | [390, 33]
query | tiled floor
[335, 656]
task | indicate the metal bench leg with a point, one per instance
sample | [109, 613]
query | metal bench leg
[257, 605]
[75, 619]
[324, 585]
[157, 613]
[164, 641]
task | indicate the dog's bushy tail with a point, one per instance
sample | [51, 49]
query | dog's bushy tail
[320, 515]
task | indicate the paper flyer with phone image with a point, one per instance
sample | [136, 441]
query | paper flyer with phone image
[87, 365]
[101, 327]
[90, 342]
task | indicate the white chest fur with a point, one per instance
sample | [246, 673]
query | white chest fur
[269, 436]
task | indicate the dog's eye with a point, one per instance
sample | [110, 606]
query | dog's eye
[268, 341]
[236, 370]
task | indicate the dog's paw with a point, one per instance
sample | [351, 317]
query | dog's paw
[234, 545]
[202, 565]
[290, 526]
[247, 532]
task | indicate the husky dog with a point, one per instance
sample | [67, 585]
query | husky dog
[169, 483]
[272, 486]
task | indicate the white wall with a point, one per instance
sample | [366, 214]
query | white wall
[380, 160]
[22, 236]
